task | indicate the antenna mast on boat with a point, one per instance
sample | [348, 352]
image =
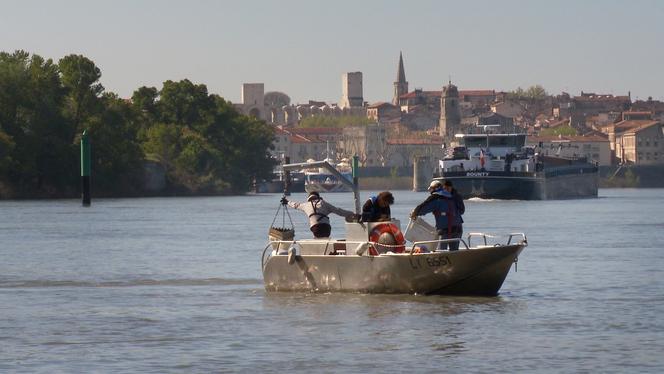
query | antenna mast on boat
[484, 128]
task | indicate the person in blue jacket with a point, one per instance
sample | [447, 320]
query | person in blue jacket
[377, 208]
[441, 204]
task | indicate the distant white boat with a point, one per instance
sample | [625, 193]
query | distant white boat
[321, 180]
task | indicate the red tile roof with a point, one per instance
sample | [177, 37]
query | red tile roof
[633, 125]
[380, 104]
[463, 93]
[299, 139]
[430, 141]
[414, 94]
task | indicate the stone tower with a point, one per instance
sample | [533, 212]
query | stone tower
[352, 95]
[450, 114]
[253, 100]
[400, 85]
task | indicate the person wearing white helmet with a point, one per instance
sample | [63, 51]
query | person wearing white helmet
[318, 210]
[441, 204]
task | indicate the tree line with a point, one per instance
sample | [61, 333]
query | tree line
[198, 139]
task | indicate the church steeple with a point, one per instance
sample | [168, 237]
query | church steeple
[401, 85]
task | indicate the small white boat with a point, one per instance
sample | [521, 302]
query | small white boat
[319, 179]
[376, 258]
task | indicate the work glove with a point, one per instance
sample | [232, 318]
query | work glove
[283, 200]
[413, 214]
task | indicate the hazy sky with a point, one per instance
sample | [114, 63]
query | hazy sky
[302, 47]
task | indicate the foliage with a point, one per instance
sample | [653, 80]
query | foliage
[31, 114]
[6, 147]
[535, 92]
[204, 145]
[334, 121]
[559, 130]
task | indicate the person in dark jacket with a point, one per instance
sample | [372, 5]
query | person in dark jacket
[441, 204]
[377, 208]
[460, 206]
[318, 210]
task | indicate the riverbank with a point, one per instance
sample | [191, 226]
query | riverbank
[632, 176]
[610, 177]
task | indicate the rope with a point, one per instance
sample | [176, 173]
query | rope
[284, 212]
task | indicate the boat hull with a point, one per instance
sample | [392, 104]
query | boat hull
[555, 183]
[475, 271]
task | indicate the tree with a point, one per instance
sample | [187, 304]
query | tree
[6, 149]
[31, 97]
[205, 145]
[117, 158]
[184, 103]
[536, 92]
[144, 101]
[80, 76]
[559, 130]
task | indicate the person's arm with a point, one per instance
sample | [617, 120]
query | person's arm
[418, 209]
[338, 211]
[425, 208]
[461, 207]
[295, 205]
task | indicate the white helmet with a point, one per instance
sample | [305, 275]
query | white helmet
[435, 185]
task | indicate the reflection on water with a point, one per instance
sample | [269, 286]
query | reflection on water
[174, 285]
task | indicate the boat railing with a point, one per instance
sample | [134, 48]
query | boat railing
[484, 237]
[524, 239]
[481, 235]
[360, 248]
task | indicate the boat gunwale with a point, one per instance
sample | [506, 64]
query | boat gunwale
[270, 245]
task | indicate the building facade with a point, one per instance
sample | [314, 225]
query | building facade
[367, 142]
[594, 148]
[639, 142]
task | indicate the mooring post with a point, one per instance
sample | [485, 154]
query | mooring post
[85, 168]
[421, 174]
[286, 176]
[355, 167]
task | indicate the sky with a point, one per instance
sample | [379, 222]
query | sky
[302, 48]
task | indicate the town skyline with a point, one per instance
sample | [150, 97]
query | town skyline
[303, 48]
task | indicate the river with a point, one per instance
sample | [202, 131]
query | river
[171, 285]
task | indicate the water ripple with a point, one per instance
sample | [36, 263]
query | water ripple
[132, 283]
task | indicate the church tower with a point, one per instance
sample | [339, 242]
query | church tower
[450, 114]
[400, 86]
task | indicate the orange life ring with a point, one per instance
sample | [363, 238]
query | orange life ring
[391, 228]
